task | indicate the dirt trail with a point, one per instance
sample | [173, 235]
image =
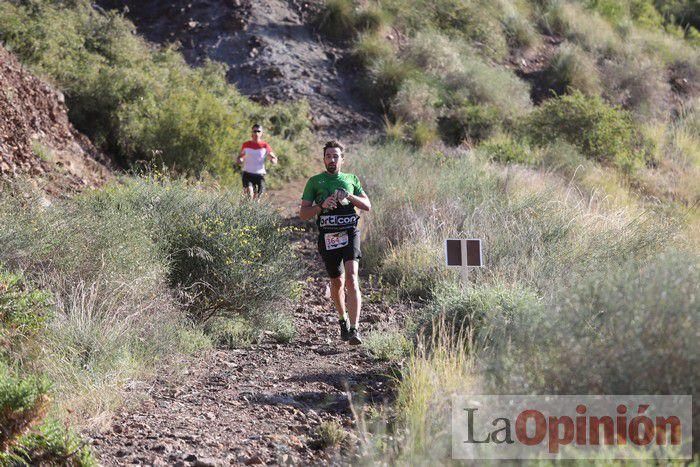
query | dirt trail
[261, 404]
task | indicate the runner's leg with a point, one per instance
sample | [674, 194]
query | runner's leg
[247, 185]
[352, 287]
[338, 295]
[332, 260]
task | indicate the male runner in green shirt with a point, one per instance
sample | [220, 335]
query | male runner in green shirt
[336, 195]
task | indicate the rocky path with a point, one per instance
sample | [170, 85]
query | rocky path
[263, 404]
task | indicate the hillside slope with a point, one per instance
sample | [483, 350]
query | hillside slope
[36, 138]
[272, 53]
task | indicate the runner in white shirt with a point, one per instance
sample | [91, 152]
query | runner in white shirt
[252, 156]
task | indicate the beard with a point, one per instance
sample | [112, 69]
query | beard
[331, 168]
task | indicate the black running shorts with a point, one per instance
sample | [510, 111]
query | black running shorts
[333, 259]
[257, 181]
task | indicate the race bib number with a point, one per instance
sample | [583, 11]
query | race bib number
[336, 240]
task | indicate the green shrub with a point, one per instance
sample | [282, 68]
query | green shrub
[387, 345]
[433, 52]
[475, 21]
[603, 133]
[370, 18]
[23, 403]
[572, 69]
[415, 102]
[485, 316]
[336, 20]
[24, 310]
[424, 133]
[282, 327]
[125, 263]
[477, 82]
[587, 29]
[329, 434]
[371, 47]
[504, 149]
[226, 256]
[519, 31]
[563, 157]
[394, 130]
[638, 84]
[468, 123]
[53, 444]
[414, 269]
[384, 79]
[232, 333]
[536, 230]
[340, 19]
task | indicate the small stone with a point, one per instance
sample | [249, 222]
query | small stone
[207, 462]
[254, 460]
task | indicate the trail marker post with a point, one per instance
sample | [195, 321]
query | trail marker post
[464, 253]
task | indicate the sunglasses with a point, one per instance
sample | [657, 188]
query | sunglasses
[257, 131]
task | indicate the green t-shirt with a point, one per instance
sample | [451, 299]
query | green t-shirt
[321, 186]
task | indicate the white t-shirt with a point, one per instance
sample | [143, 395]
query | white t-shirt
[255, 154]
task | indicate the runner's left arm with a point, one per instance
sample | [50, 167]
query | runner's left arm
[271, 154]
[358, 197]
[360, 201]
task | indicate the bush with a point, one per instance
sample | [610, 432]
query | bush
[414, 269]
[468, 123]
[585, 28]
[23, 403]
[226, 256]
[487, 317]
[519, 32]
[624, 329]
[536, 230]
[504, 149]
[415, 102]
[572, 69]
[435, 53]
[479, 83]
[24, 310]
[371, 47]
[602, 133]
[637, 84]
[53, 444]
[329, 434]
[384, 79]
[387, 345]
[474, 21]
[337, 19]
[232, 333]
[340, 19]
[424, 133]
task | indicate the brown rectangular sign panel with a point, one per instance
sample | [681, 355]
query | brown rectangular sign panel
[473, 252]
[453, 249]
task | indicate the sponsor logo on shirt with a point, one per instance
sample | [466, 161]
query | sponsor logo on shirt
[348, 220]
